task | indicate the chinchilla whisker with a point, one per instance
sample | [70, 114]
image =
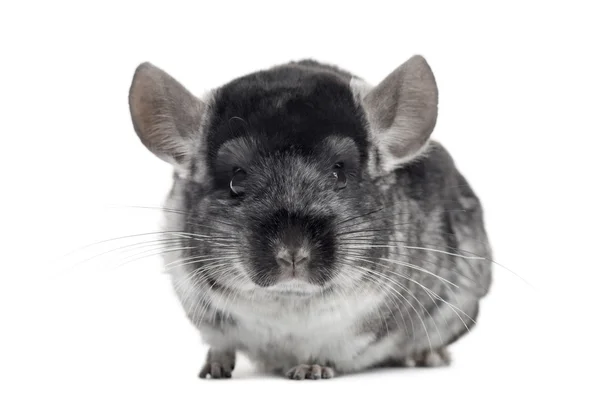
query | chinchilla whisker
[446, 282]
[161, 252]
[208, 237]
[215, 244]
[394, 282]
[143, 244]
[473, 256]
[197, 280]
[427, 290]
[382, 208]
[379, 315]
[212, 228]
[253, 291]
[111, 240]
[371, 244]
[352, 251]
[378, 218]
[165, 209]
[362, 223]
[390, 283]
[176, 211]
[209, 218]
[387, 227]
[396, 301]
[406, 309]
[200, 276]
[478, 257]
[420, 191]
[340, 224]
[164, 241]
[373, 220]
[207, 306]
[225, 237]
[385, 290]
[373, 230]
[122, 248]
[367, 244]
[216, 266]
[444, 252]
[229, 238]
[177, 234]
[186, 280]
[409, 292]
[175, 263]
[154, 245]
[406, 264]
[234, 291]
[374, 238]
[414, 267]
[197, 259]
[203, 267]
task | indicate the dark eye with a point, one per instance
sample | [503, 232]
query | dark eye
[339, 176]
[236, 185]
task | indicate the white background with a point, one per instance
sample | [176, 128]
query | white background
[519, 87]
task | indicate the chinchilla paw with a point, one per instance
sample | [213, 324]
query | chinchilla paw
[313, 372]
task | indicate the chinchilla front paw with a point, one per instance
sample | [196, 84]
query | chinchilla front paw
[313, 372]
[219, 364]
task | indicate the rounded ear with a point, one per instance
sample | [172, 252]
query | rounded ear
[165, 115]
[402, 112]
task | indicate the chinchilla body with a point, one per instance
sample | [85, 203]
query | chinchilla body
[313, 224]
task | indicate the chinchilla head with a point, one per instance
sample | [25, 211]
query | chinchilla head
[282, 176]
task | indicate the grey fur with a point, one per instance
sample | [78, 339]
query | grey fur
[410, 273]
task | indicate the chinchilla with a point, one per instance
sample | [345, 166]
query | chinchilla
[313, 225]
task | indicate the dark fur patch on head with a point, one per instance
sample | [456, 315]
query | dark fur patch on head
[296, 105]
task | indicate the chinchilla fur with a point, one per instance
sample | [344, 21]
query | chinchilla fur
[313, 224]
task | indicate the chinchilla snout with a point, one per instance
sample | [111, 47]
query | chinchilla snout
[291, 246]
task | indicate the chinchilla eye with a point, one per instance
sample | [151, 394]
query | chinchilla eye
[237, 182]
[339, 176]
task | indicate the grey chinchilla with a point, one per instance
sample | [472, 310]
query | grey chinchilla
[313, 224]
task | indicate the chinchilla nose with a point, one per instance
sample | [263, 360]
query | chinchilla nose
[292, 257]
[292, 250]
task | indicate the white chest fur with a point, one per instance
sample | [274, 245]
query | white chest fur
[280, 333]
[304, 333]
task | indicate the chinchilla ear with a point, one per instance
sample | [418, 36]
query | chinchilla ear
[165, 116]
[402, 112]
